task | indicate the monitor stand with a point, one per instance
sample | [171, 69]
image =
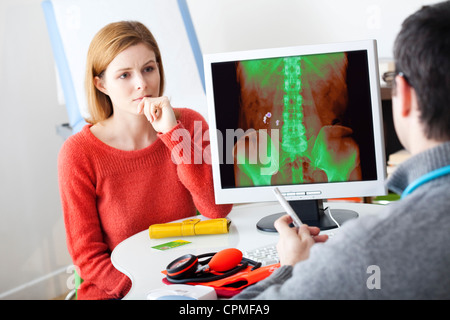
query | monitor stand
[310, 212]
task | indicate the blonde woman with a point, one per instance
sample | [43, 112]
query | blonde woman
[120, 173]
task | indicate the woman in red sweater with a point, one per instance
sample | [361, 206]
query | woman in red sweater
[123, 172]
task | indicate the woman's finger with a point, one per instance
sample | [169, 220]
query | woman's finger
[155, 112]
[147, 111]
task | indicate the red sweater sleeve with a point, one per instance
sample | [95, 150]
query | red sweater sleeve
[83, 230]
[190, 150]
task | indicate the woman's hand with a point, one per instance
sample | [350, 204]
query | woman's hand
[295, 243]
[159, 112]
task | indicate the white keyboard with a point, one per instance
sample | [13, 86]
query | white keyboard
[268, 254]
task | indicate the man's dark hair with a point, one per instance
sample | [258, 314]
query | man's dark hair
[422, 53]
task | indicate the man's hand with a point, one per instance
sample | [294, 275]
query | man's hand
[295, 243]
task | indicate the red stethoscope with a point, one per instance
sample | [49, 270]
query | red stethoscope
[215, 266]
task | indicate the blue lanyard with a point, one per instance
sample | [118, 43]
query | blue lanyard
[425, 178]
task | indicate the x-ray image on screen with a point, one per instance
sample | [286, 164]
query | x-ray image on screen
[301, 119]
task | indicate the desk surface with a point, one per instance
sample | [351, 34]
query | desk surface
[136, 258]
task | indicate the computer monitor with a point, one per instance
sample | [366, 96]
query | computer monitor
[305, 119]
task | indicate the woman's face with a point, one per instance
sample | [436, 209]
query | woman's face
[131, 76]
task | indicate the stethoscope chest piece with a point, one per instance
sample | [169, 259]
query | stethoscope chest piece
[183, 267]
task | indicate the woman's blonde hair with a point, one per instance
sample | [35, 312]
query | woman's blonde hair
[105, 46]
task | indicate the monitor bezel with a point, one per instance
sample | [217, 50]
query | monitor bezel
[300, 191]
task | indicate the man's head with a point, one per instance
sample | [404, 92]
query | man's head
[422, 59]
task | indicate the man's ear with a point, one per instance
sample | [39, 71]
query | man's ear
[403, 95]
[98, 82]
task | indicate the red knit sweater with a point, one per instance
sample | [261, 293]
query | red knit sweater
[109, 195]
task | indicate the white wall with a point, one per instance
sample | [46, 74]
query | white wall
[229, 25]
[32, 241]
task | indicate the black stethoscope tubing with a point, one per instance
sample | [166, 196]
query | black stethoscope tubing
[189, 262]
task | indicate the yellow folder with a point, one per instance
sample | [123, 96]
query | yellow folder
[189, 227]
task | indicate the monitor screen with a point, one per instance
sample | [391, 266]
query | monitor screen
[306, 119]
